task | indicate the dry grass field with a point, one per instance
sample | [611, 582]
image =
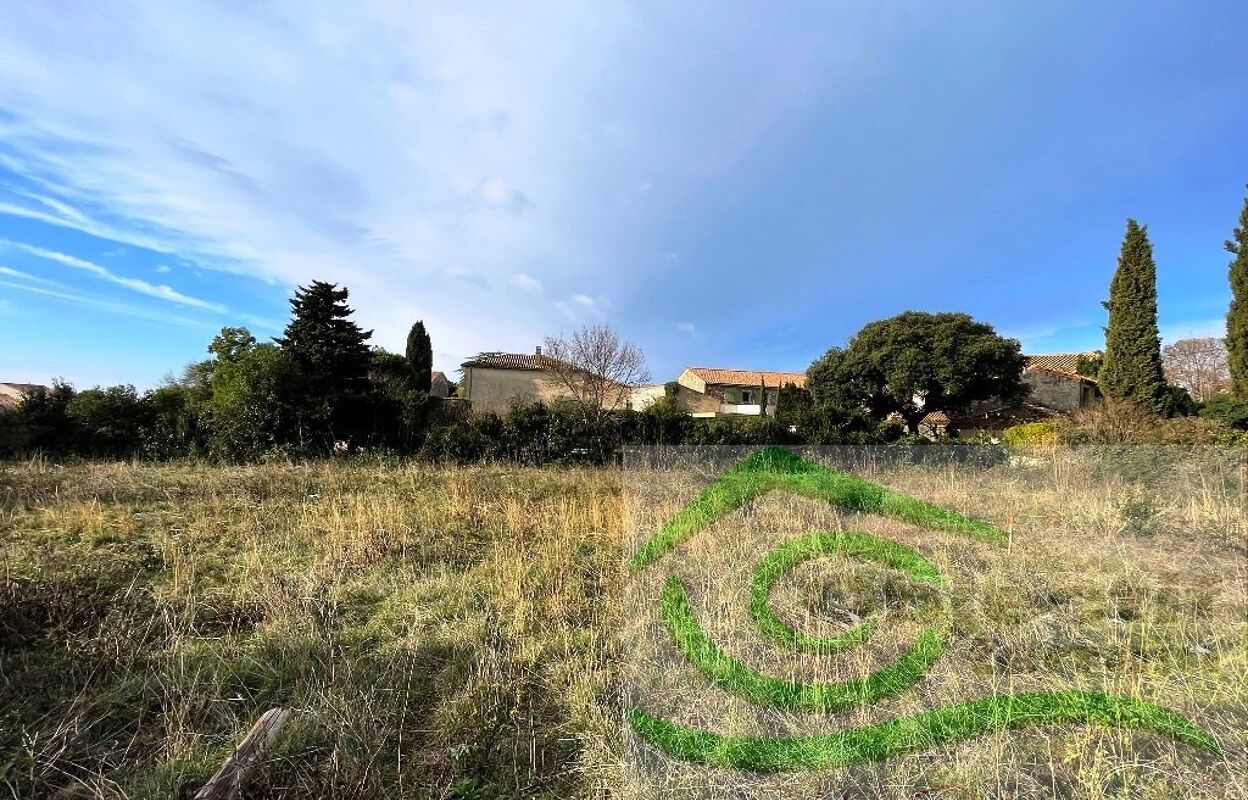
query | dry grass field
[476, 633]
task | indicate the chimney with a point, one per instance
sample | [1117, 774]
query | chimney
[539, 350]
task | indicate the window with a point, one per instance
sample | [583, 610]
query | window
[747, 396]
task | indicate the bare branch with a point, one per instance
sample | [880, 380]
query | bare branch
[596, 368]
[1198, 365]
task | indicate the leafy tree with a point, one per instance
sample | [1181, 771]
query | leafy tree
[41, 423]
[231, 344]
[420, 356]
[916, 363]
[390, 372]
[107, 421]
[174, 426]
[398, 412]
[1237, 316]
[791, 402]
[1132, 368]
[1089, 365]
[254, 407]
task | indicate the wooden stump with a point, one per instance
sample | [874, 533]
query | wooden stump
[229, 778]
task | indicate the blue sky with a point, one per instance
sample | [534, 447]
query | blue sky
[725, 184]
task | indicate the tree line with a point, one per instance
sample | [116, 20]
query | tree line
[320, 388]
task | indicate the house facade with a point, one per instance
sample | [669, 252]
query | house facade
[709, 392]
[494, 382]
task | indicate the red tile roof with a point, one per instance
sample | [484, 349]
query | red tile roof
[1058, 362]
[748, 377]
[530, 361]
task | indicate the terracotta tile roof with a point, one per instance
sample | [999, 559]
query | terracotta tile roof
[1073, 376]
[748, 377]
[1058, 362]
[935, 418]
[530, 361]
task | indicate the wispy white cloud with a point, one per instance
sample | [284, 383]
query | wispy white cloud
[526, 283]
[687, 328]
[26, 276]
[584, 301]
[110, 306]
[160, 291]
[163, 268]
[500, 194]
[372, 145]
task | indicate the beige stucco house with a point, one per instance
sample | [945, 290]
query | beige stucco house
[709, 392]
[496, 381]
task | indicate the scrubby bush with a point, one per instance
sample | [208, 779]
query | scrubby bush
[1226, 409]
[1032, 434]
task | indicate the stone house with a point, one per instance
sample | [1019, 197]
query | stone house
[496, 381]
[1056, 384]
[707, 392]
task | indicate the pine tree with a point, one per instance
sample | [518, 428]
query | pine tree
[1237, 316]
[420, 356]
[1132, 365]
[329, 349]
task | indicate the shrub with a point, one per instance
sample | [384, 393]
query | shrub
[1226, 409]
[1032, 434]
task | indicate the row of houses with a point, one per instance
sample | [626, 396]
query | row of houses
[495, 381]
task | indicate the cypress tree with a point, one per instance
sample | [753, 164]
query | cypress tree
[1132, 366]
[420, 356]
[1237, 316]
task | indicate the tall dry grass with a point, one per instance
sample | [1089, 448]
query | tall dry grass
[440, 633]
[1127, 572]
[472, 632]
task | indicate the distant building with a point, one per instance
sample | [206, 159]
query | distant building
[934, 425]
[707, 392]
[1056, 384]
[439, 386]
[11, 394]
[1056, 388]
[496, 381]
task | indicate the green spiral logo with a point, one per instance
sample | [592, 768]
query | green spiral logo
[775, 469]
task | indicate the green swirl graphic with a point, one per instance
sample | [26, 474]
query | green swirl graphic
[776, 469]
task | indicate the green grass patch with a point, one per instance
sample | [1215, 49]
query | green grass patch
[919, 732]
[818, 545]
[741, 679]
[774, 469]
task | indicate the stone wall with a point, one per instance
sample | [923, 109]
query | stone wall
[1058, 392]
